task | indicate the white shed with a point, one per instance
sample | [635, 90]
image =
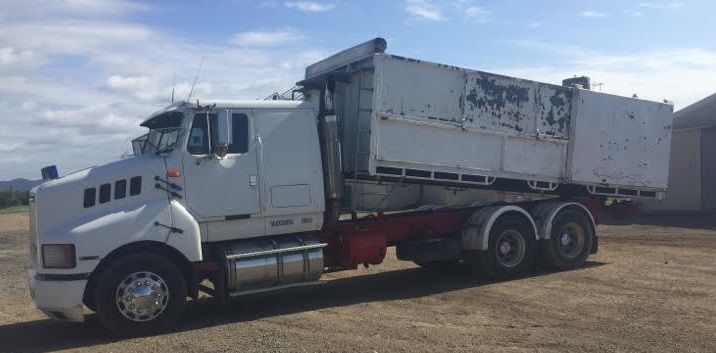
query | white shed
[692, 165]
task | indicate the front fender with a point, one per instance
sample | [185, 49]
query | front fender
[188, 242]
[99, 233]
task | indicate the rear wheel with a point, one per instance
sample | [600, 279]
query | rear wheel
[140, 294]
[570, 241]
[510, 251]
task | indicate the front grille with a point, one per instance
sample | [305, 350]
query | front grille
[33, 232]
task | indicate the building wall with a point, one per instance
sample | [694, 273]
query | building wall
[684, 190]
[708, 169]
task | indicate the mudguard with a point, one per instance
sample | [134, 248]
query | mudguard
[545, 213]
[476, 232]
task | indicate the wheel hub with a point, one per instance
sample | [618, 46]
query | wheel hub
[510, 248]
[566, 239]
[505, 247]
[142, 296]
[572, 238]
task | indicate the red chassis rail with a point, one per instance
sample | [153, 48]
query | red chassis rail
[365, 240]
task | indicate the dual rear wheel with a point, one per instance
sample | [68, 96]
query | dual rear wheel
[513, 248]
[570, 241]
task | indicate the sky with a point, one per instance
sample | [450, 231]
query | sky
[77, 76]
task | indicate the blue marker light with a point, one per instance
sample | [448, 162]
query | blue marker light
[49, 172]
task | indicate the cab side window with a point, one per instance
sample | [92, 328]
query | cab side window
[204, 141]
[198, 136]
[241, 133]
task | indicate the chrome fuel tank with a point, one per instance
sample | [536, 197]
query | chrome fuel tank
[272, 261]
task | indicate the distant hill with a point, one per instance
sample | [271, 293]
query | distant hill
[19, 184]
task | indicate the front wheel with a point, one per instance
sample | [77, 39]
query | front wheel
[510, 251]
[140, 294]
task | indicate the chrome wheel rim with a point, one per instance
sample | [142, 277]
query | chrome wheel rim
[572, 238]
[142, 296]
[510, 248]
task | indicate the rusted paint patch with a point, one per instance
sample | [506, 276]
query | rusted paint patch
[519, 106]
[554, 114]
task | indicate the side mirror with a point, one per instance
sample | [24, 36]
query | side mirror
[224, 133]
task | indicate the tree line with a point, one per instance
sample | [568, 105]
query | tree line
[11, 197]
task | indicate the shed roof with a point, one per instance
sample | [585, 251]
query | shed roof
[699, 114]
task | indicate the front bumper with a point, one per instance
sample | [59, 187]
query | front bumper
[59, 297]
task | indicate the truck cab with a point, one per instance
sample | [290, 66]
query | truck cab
[265, 179]
[203, 173]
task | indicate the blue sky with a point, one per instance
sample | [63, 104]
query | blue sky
[76, 76]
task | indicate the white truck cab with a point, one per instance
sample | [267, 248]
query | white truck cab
[182, 187]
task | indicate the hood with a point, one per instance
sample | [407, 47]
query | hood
[98, 189]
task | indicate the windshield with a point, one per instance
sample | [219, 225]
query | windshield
[164, 132]
[156, 141]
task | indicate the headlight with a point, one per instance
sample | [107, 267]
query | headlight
[58, 256]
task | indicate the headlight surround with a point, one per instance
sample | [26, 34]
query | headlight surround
[58, 256]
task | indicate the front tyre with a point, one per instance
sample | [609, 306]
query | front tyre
[510, 251]
[140, 294]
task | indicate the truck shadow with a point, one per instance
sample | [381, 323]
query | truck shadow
[48, 335]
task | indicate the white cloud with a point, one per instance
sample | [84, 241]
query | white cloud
[142, 87]
[654, 75]
[94, 119]
[433, 11]
[310, 6]
[266, 39]
[424, 10]
[633, 13]
[88, 9]
[661, 5]
[16, 61]
[75, 80]
[592, 14]
[477, 14]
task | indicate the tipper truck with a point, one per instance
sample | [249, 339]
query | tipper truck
[459, 170]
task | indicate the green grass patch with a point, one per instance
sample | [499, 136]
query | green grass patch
[13, 209]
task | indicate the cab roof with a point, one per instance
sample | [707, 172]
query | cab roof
[249, 104]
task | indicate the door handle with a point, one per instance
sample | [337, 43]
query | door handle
[253, 180]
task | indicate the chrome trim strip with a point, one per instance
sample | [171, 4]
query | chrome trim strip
[276, 251]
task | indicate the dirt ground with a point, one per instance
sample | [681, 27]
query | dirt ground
[651, 288]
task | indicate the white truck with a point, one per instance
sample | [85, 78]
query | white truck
[458, 169]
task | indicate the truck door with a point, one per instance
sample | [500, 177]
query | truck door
[222, 186]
